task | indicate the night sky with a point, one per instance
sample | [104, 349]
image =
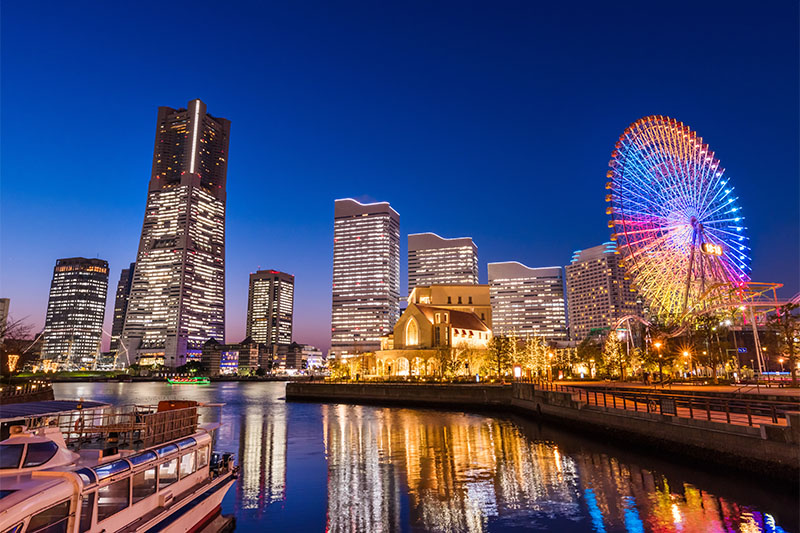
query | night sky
[492, 120]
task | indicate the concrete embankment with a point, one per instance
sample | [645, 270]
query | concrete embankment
[765, 449]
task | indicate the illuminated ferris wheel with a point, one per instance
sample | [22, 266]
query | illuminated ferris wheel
[675, 217]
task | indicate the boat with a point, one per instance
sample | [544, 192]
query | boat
[95, 468]
[194, 380]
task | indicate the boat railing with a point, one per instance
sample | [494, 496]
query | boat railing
[129, 425]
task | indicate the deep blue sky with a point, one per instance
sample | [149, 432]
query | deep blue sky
[491, 120]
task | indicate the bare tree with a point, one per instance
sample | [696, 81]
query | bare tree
[15, 338]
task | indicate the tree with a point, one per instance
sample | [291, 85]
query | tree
[13, 335]
[500, 354]
[612, 360]
[786, 326]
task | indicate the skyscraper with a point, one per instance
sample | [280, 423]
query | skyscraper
[270, 305]
[73, 326]
[366, 275]
[599, 291]
[528, 301]
[177, 299]
[121, 305]
[434, 260]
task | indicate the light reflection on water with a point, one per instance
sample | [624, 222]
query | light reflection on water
[312, 467]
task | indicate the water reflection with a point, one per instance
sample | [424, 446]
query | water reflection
[262, 456]
[472, 473]
[312, 467]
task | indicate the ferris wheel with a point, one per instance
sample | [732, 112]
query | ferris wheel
[675, 217]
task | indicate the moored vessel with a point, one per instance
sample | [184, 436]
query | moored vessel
[130, 469]
[194, 380]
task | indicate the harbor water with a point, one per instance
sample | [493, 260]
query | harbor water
[334, 467]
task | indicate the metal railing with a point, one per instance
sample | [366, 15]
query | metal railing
[728, 410]
[129, 425]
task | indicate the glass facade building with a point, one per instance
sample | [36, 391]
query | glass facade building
[527, 301]
[270, 305]
[366, 276]
[599, 292]
[434, 260]
[177, 299]
[121, 305]
[75, 311]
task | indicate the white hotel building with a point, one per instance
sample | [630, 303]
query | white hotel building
[434, 260]
[527, 301]
[366, 275]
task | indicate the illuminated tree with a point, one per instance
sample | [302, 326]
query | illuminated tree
[500, 351]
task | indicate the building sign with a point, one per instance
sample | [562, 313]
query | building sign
[711, 248]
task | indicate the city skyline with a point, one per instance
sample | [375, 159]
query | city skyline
[340, 147]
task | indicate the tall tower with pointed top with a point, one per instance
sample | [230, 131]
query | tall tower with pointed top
[177, 299]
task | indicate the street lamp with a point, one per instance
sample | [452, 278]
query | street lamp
[657, 346]
[780, 360]
[689, 358]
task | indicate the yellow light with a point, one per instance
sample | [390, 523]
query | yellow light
[657, 345]
[686, 354]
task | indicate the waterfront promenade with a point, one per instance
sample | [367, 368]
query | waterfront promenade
[756, 436]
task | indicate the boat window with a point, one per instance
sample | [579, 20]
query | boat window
[10, 454]
[106, 470]
[144, 484]
[167, 473]
[166, 450]
[202, 456]
[113, 498]
[87, 476]
[185, 443]
[142, 458]
[39, 453]
[52, 520]
[15, 529]
[187, 464]
[6, 492]
[87, 508]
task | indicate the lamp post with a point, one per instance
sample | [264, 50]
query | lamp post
[689, 358]
[657, 346]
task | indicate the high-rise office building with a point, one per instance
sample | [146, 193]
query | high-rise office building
[599, 291]
[366, 275]
[73, 326]
[177, 299]
[5, 304]
[121, 305]
[527, 301]
[270, 305]
[434, 260]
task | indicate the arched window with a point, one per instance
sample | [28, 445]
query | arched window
[412, 332]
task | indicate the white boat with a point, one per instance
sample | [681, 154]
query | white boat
[71, 474]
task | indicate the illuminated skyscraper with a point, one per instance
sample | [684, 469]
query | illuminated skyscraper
[177, 299]
[74, 323]
[270, 305]
[366, 275]
[528, 301]
[599, 291]
[121, 305]
[434, 260]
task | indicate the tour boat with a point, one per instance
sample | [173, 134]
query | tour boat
[113, 470]
[194, 380]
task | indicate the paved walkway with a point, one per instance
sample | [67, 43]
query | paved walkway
[715, 411]
[789, 393]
